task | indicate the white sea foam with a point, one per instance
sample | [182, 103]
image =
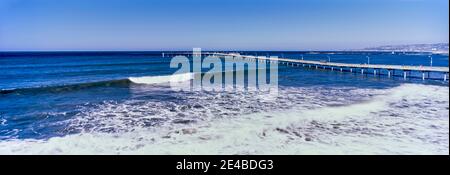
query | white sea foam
[162, 79]
[408, 119]
[2, 122]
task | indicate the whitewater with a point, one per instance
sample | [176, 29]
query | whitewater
[408, 119]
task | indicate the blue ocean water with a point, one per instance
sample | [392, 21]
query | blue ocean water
[49, 95]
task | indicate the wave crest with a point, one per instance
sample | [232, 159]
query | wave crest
[162, 79]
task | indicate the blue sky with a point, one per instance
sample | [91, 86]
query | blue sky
[219, 24]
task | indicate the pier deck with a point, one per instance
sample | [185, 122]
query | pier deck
[333, 65]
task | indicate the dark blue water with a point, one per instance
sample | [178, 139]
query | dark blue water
[42, 92]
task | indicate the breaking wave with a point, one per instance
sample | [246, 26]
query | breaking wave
[408, 119]
[119, 82]
[162, 79]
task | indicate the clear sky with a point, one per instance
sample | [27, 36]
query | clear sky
[219, 24]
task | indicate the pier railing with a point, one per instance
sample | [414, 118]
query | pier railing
[349, 67]
[390, 70]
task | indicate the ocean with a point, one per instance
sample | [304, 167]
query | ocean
[119, 103]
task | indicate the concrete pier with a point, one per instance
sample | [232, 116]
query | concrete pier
[407, 70]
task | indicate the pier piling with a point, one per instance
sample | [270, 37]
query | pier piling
[408, 71]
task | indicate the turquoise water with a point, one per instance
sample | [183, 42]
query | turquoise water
[50, 100]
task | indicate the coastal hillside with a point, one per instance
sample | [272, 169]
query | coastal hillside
[441, 48]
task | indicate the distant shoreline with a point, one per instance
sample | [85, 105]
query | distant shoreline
[438, 48]
[178, 51]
